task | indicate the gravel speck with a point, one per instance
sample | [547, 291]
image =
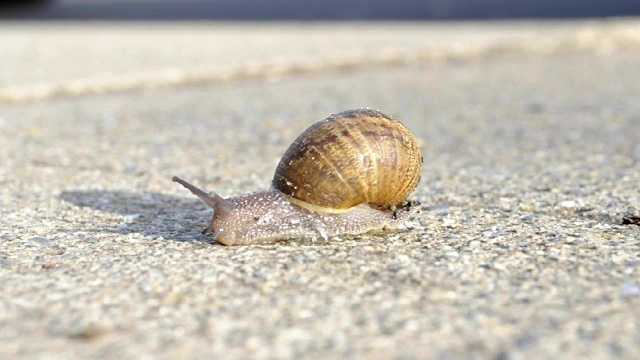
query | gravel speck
[630, 288]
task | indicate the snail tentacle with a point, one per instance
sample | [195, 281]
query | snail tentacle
[212, 199]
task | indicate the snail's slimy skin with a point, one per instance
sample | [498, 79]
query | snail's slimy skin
[268, 216]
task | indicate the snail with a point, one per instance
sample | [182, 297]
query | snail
[348, 174]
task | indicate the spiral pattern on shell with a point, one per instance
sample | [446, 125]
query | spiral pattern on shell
[354, 157]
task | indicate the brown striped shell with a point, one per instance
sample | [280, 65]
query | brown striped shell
[355, 157]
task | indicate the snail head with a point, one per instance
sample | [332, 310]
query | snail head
[221, 207]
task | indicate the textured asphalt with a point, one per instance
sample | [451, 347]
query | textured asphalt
[532, 161]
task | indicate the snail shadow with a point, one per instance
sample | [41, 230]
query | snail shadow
[150, 214]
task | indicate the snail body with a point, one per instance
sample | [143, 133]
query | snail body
[348, 174]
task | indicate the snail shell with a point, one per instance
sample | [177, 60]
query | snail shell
[355, 157]
[348, 174]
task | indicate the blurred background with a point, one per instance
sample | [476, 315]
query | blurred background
[315, 9]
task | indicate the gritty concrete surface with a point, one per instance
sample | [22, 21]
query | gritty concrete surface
[532, 159]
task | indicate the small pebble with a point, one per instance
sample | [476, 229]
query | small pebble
[630, 288]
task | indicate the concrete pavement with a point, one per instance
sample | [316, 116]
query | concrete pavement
[532, 158]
